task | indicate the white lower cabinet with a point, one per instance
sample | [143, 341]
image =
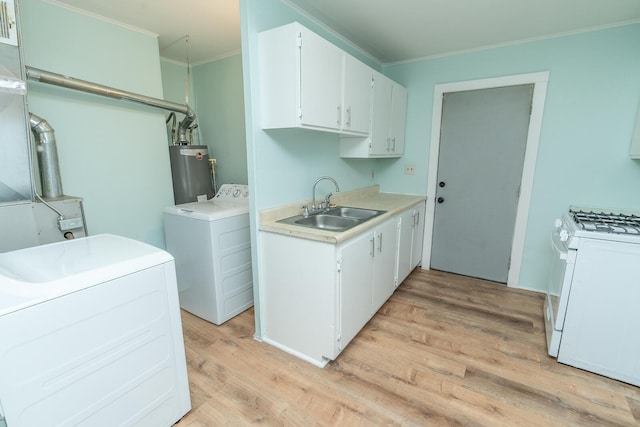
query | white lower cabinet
[384, 262]
[368, 274]
[410, 237]
[316, 296]
[355, 290]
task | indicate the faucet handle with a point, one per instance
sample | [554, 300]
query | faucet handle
[327, 200]
[305, 211]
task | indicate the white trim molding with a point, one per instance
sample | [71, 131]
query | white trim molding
[539, 80]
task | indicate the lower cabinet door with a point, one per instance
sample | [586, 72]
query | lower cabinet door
[355, 287]
[418, 234]
[384, 263]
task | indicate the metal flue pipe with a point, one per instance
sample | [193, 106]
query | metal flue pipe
[98, 89]
[47, 156]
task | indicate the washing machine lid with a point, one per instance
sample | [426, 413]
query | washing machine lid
[230, 200]
[40, 273]
[211, 210]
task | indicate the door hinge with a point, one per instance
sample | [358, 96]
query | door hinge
[299, 40]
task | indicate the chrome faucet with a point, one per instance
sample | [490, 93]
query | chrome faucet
[313, 195]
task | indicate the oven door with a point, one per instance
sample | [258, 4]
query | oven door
[559, 285]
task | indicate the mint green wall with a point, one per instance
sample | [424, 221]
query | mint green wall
[283, 164]
[174, 86]
[218, 100]
[174, 82]
[112, 153]
[220, 109]
[592, 97]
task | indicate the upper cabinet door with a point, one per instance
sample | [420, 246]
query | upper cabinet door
[357, 93]
[398, 115]
[381, 116]
[320, 82]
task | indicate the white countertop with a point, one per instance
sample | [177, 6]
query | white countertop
[368, 198]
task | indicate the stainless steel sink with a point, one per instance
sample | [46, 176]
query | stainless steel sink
[340, 218]
[347, 212]
[328, 222]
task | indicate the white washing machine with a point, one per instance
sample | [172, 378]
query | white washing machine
[211, 244]
[90, 334]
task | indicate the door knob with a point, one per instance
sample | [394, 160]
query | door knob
[440, 199]
[441, 184]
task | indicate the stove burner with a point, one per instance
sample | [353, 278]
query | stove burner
[607, 222]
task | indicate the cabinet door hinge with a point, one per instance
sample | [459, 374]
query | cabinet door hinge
[300, 113]
[339, 265]
[299, 40]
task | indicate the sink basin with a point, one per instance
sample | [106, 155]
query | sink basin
[340, 218]
[328, 222]
[359, 213]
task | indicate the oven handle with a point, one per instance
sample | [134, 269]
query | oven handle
[560, 248]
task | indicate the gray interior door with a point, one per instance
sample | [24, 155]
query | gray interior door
[482, 142]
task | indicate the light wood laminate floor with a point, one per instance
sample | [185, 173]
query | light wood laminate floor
[444, 350]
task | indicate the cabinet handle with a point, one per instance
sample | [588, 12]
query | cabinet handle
[348, 117]
[417, 218]
[394, 144]
[388, 144]
[379, 242]
[373, 247]
[339, 114]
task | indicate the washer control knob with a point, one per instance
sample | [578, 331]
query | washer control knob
[558, 223]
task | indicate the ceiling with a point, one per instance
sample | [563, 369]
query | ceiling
[388, 31]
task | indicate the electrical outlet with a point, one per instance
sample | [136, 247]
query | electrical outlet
[409, 169]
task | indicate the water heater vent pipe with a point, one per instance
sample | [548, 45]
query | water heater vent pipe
[98, 89]
[47, 156]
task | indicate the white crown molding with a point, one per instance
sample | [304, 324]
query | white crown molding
[515, 42]
[330, 30]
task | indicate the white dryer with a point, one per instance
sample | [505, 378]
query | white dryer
[211, 244]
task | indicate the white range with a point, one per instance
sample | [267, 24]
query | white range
[592, 318]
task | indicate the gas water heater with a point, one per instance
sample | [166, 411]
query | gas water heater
[191, 173]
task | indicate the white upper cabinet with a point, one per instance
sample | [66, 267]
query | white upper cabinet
[320, 81]
[398, 119]
[357, 94]
[307, 82]
[388, 112]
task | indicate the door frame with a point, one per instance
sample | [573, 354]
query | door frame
[539, 80]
